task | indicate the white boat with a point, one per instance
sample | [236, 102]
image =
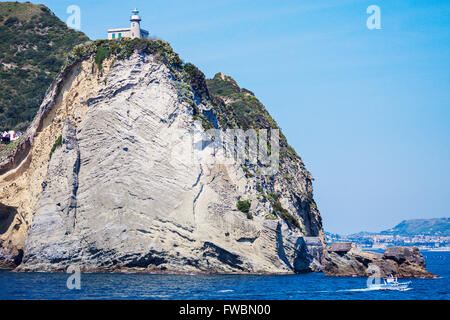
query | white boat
[391, 283]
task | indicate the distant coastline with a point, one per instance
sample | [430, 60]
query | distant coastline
[426, 234]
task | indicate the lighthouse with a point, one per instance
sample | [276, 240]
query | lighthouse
[134, 31]
[135, 24]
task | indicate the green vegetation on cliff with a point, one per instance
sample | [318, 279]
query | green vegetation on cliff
[33, 46]
[123, 48]
[57, 143]
[237, 107]
[244, 205]
[284, 214]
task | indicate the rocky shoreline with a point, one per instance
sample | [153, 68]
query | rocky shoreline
[339, 260]
[348, 260]
[148, 271]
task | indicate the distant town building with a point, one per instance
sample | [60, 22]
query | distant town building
[378, 241]
[134, 31]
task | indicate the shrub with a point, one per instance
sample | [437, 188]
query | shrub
[244, 205]
[206, 124]
[196, 79]
[271, 216]
[285, 215]
[11, 20]
[289, 218]
[102, 53]
[57, 143]
[259, 188]
[247, 171]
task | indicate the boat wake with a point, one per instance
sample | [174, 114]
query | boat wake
[357, 290]
[374, 289]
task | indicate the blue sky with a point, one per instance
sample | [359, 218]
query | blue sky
[367, 110]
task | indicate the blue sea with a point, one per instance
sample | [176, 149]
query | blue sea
[147, 286]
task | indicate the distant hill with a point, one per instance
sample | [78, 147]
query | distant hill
[432, 227]
[33, 46]
[437, 227]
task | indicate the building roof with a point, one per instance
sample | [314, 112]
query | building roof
[119, 29]
[340, 246]
[125, 29]
[135, 15]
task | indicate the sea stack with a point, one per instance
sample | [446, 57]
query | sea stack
[347, 260]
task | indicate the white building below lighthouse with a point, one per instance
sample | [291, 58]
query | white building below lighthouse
[134, 31]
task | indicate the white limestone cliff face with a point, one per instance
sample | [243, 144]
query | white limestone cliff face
[118, 195]
[23, 173]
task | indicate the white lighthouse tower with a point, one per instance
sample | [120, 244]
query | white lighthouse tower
[134, 31]
[135, 24]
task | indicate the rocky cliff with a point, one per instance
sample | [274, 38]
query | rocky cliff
[119, 172]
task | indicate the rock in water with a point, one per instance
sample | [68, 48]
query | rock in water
[401, 262]
[100, 179]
